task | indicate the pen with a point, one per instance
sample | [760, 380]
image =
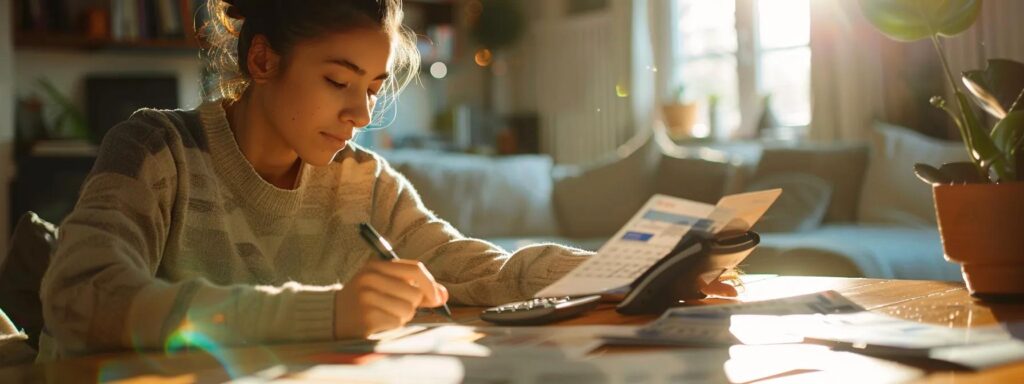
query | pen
[386, 253]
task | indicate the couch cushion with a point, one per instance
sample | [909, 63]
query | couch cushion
[483, 196]
[840, 165]
[599, 198]
[694, 179]
[877, 251]
[891, 193]
[802, 205]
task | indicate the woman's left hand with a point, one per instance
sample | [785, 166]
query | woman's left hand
[720, 288]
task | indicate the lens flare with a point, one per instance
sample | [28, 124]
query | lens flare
[186, 338]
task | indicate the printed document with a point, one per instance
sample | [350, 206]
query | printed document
[652, 233]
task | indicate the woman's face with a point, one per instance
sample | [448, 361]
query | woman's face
[327, 88]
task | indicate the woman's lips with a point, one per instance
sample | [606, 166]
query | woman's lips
[334, 139]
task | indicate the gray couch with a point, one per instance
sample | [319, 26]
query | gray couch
[847, 209]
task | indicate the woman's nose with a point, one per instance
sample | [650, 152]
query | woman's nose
[357, 113]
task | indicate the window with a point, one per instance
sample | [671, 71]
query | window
[738, 51]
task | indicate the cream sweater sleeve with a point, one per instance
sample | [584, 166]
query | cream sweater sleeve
[101, 291]
[474, 271]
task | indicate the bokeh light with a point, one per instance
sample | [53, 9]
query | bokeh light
[483, 57]
[438, 70]
[621, 91]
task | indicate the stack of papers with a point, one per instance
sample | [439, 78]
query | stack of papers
[714, 325]
[829, 318]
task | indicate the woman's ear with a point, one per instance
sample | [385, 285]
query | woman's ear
[262, 62]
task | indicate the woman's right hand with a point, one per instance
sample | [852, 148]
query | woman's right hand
[384, 295]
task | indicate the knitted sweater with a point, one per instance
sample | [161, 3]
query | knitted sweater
[175, 234]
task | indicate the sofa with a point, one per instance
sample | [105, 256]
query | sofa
[847, 209]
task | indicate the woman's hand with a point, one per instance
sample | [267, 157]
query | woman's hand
[384, 295]
[719, 288]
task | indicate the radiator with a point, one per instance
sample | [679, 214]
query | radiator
[581, 60]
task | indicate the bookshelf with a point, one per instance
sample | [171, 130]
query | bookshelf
[107, 25]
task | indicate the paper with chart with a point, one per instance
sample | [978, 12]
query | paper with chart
[650, 235]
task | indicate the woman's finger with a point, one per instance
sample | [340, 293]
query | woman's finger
[415, 273]
[442, 292]
[377, 320]
[718, 288]
[400, 308]
[391, 285]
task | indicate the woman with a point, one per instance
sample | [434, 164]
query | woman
[239, 219]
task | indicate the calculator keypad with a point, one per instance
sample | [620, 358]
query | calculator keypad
[543, 302]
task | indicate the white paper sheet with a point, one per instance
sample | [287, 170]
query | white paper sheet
[717, 324]
[698, 366]
[459, 340]
[651, 234]
[747, 208]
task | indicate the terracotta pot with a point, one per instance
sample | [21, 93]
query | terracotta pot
[679, 119]
[982, 228]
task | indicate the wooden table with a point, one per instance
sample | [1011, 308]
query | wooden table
[924, 301]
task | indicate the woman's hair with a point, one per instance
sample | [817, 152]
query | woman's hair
[234, 23]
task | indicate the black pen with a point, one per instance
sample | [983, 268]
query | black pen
[386, 253]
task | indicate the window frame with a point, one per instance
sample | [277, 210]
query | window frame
[749, 54]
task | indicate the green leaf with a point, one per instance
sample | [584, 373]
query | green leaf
[911, 20]
[997, 86]
[1009, 132]
[983, 150]
[1008, 136]
[68, 111]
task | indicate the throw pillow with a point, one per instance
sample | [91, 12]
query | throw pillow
[599, 198]
[802, 205]
[891, 193]
[483, 196]
[840, 165]
[694, 178]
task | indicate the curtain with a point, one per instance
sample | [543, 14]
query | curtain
[652, 69]
[641, 89]
[846, 72]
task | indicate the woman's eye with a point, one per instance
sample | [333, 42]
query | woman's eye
[336, 84]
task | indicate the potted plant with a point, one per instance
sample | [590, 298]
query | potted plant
[680, 114]
[979, 205]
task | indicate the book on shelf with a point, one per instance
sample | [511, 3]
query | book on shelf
[151, 19]
[124, 19]
[64, 148]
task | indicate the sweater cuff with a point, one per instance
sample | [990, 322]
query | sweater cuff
[551, 265]
[313, 316]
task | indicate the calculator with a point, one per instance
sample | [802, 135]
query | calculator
[540, 311]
